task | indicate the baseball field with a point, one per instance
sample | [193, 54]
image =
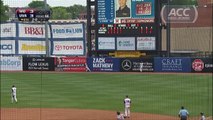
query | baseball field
[97, 96]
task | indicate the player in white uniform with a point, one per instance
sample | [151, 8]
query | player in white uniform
[13, 94]
[127, 104]
[120, 116]
[141, 67]
[202, 116]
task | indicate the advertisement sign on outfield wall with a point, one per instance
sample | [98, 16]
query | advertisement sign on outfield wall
[146, 43]
[8, 30]
[172, 64]
[67, 30]
[68, 48]
[202, 65]
[11, 63]
[106, 43]
[72, 64]
[31, 47]
[125, 43]
[103, 64]
[32, 30]
[7, 47]
[137, 65]
[38, 64]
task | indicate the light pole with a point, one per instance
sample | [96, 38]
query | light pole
[46, 32]
[168, 32]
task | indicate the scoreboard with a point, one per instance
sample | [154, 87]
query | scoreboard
[29, 14]
[133, 31]
[140, 11]
[25, 14]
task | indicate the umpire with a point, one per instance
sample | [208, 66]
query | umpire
[183, 114]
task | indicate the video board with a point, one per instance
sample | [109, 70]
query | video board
[126, 18]
[31, 14]
[135, 11]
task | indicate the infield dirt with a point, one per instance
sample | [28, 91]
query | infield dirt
[72, 114]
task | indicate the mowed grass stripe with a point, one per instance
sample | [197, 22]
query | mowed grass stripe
[150, 93]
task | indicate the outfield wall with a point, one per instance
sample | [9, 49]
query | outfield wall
[29, 39]
[98, 64]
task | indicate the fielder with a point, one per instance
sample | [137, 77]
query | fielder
[13, 94]
[127, 104]
[120, 116]
[183, 114]
[202, 116]
[141, 67]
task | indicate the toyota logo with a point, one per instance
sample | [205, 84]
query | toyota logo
[126, 65]
[58, 47]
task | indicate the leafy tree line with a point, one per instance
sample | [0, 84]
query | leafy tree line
[3, 12]
[60, 12]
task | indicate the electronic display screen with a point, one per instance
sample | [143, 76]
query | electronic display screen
[125, 11]
[24, 14]
[29, 14]
[125, 19]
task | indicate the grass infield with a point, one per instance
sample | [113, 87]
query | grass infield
[150, 93]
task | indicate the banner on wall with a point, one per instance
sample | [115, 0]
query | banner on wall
[146, 43]
[106, 43]
[32, 30]
[68, 48]
[202, 65]
[11, 63]
[103, 64]
[7, 47]
[67, 30]
[31, 47]
[125, 43]
[8, 30]
[172, 64]
[38, 64]
[72, 64]
[137, 65]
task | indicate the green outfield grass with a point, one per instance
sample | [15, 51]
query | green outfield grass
[150, 93]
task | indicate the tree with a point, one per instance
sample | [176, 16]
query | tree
[60, 13]
[75, 10]
[38, 5]
[3, 12]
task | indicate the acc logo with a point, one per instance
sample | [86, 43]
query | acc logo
[198, 65]
[179, 14]
[126, 65]
[6, 47]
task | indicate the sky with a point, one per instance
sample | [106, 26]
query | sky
[52, 3]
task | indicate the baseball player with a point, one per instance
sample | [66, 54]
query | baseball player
[13, 94]
[202, 116]
[141, 67]
[183, 114]
[120, 116]
[127, 104]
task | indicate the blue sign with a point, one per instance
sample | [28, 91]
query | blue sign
[172, 64]
[103, 64]
[105, 11]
